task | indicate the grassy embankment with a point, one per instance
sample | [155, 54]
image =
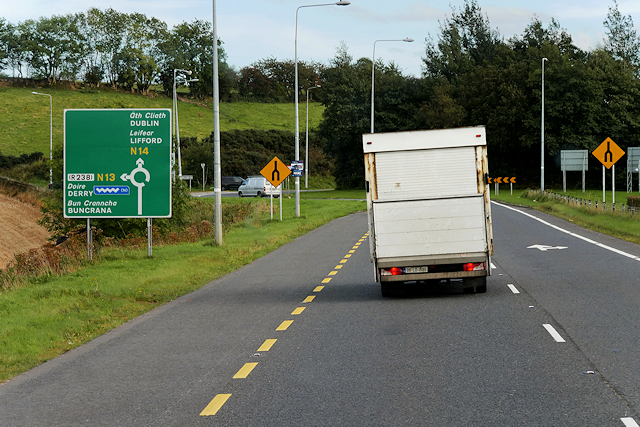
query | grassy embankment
[24, 118]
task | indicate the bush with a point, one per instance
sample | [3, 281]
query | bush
[633, 201]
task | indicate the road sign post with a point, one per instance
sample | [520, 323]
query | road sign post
[117, 163]
[275, 172]
[608, 153]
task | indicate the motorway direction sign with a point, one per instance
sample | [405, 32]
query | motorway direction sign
[117, 163]
[608, 153]
[275, 171]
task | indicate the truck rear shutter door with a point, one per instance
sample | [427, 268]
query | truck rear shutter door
[450, 172]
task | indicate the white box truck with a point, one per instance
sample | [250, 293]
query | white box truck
[428, 207]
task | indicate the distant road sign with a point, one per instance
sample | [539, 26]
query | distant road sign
[503, 180]
[608, 153]
[117, 163]
[275, 171]
[297, 168]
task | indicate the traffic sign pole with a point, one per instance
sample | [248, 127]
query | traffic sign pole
[608, 153]
[275, 172]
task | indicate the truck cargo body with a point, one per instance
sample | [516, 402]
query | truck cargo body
[428, 207]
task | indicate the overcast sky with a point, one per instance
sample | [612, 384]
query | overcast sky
[256, 29]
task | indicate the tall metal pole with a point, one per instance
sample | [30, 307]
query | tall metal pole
[306, 150]
[295, 90]
[542, 133]
[373, 75]
[175, 124]
[217, 193]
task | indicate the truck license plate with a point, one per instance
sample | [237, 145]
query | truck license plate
[412, 270]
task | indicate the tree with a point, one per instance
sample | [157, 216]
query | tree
[5, 31]
[136, 64]
[104, 34]
[622, 40]
[16, 53]
[53, 44]
[466, 40]
[189, 46]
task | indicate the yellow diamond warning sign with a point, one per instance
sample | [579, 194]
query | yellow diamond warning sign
[608, 153]
[275, 171]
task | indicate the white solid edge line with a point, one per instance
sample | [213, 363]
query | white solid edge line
[513, 288]
[629, 422]
[552, 331]
[609, 248]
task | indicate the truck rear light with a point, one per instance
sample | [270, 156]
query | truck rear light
[393, 271]
[473, 266]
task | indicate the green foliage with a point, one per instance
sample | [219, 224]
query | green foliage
[622, 40]
[347, 115]
[119, 228]
[246, 152]
[7, 162]
[633, 201]
[271, 80]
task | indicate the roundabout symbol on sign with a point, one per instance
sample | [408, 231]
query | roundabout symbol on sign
[131, 177]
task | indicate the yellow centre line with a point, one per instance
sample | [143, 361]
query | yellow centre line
[342, 261]
[333, 273]
[351, 251]
[284, 325]
[318, 288]
[347, 256]
[214, 406]
[266, 346]
[309, 299]
[298, 310]
[338, 267]
[326, 280]
[245, 370]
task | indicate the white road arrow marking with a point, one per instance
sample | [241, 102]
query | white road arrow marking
[545, 247]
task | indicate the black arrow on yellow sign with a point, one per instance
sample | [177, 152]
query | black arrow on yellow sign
[275, 171]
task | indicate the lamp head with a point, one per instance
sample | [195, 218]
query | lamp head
[408, 40]
[343, 3]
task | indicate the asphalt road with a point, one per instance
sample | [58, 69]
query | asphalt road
[553, 342]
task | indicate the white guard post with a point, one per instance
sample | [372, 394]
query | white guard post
[89, 240]
[149, 237]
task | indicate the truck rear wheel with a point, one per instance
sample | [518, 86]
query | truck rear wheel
[389, 290]
[474, 285]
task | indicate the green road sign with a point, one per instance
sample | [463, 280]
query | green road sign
[117, 163]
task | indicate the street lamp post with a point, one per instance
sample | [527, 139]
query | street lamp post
[542, 133]
[50, 135]
[217, 179]
[306, 151]
[295, 90]
[175, 113]
[373, 68]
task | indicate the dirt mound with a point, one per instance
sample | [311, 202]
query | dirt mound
[19, 229]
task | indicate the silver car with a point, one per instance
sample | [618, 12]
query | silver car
[258, 186]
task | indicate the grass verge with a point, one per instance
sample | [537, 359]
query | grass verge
[54, 314]
[617, 224]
